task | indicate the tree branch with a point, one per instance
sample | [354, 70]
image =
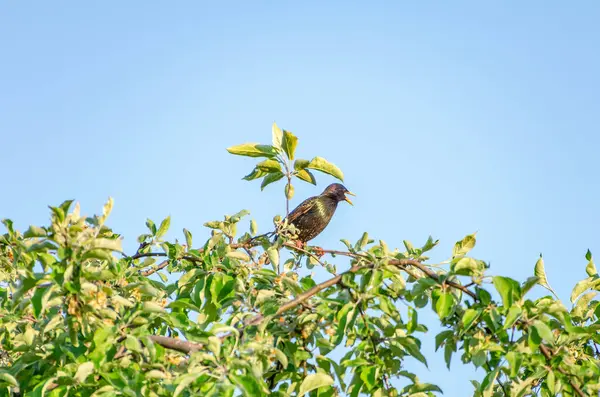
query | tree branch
[303, 297]
[177, 344]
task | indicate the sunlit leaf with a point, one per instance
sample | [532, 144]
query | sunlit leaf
[290, 141]
[269, 165]
[277, 136]
[164, 226]
[289, 191]
[83, 371]
[253, 150]
[540, 273]
[322, 165]
[591, 267]
[314, 381]
[464, 246]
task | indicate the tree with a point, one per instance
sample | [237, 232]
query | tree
[80, 317]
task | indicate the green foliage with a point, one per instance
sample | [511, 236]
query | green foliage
[79, 317]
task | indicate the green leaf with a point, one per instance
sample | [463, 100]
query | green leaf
[515, 360]
[582, 286]
[444, 305]
[164, 226]
[242, 256]
[255, 174]
[152, 307]
[413, 320]
[277, 136]
[188, 238]
[300, 164]
[464, 246]
[413, 349]
[591, 267]
[441, 337]
[368, 374]
[108, 244]
[289, 191]
[540, 273]
[466, 266]
[488, 381]
[306, 176]
[322, 165]
[184, 381]
[106, 210]
[34, 231]
[248, 384]
[269, 165]
[429, 244]
[544, 331]
[151, 226]
[508, 288]
[253, 150]
[281, 357]
[360, 244]
[290, 141]
[214, 345]
[8, 378]
[83, 371]
[583, 304]
[39, 301]
[449, 349]
[314, 381]
[270, 178]
[342, 316]
[273, 255]
[513, 315]
[469, 317]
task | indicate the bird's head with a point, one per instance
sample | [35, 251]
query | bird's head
[338, 192]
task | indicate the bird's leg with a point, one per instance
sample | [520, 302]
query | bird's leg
[300, 244]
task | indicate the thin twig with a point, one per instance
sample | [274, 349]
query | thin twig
[416, 264]
[301, 250]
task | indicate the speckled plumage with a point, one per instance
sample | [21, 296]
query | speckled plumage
[313, 215]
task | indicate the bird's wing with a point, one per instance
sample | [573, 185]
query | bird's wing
[301, 209]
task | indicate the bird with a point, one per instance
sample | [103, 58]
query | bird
[313, 215]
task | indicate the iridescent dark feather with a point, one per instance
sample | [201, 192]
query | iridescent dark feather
[313, 215]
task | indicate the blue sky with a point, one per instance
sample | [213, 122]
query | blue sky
[446, 119]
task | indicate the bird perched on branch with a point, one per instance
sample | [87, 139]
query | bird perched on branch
[312, 216]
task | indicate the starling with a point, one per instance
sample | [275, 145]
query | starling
[312, 216]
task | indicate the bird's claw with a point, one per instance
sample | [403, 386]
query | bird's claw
[318, 251]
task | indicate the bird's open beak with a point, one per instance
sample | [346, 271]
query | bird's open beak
[347, 199]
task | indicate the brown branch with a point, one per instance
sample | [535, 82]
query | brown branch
[177, 344]
[303, 297]
[305, 252]
[153, 270]
[397, 262]
[190, 347]
[162, 265]
[187, 347]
